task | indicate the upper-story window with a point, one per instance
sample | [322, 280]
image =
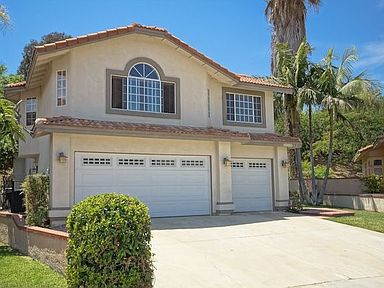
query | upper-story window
[61, 88]
[30, 111]
[142, 90]
[244, 108]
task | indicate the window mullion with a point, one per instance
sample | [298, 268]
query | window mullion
[234, 106]
[127, 94]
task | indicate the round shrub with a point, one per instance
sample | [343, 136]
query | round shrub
[109, 243]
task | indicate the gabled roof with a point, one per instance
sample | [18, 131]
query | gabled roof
[153, 31]
[62, 124]
[362, 151]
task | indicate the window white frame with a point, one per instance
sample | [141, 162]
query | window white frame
[152, 102]
[244, 108]
[30, 108]
[61, 88]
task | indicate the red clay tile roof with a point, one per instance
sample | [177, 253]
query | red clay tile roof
[260, 81]
[89, 38]
[14, 85]
[270, 137]
[63, 122]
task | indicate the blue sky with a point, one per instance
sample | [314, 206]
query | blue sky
[234, 33]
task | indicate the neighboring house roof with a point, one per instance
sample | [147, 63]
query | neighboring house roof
[13, 85]
[362, 151]
[161, 32]
[44, 126]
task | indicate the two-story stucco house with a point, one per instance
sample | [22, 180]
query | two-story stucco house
[135, 110]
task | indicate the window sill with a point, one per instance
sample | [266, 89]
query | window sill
[244, 124]
[143, 114]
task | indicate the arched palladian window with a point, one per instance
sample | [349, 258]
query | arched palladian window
[141, 89]
[144, 88]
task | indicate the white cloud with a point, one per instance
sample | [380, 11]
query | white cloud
[380, 3]
[372, 55]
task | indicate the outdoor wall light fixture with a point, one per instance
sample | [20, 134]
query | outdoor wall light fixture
[62, 157]
[227, 161]
[284, 163]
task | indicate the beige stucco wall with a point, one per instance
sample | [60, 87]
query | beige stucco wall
[86, 71]
[62, 174]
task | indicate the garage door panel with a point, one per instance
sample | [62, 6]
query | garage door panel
[91, 178]
[253, 204]
[252, 185]
[169, 185]
[245, 179]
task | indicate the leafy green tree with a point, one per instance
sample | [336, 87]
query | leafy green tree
[28, 49]
[341, 92]
[11, 131]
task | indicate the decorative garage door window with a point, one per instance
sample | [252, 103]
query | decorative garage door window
[192, 163]
[96, 161]
[237, 164]
[163, 162]
[257, 165]
[131, 162]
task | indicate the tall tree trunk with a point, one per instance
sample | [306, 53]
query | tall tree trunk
[329, 160]
[295, 132]
[290, 130]
[313, 178]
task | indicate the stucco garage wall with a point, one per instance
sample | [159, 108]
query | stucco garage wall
[279, 174]
[63, 174]
[62, 190]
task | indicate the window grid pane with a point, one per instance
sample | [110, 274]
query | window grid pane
[243, 108]
[61, 88]
[30, 111]
[144, 95]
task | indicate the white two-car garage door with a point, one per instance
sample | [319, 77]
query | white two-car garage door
[252, 185]
[169, 185]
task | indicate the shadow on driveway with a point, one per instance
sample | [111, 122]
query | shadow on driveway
[195, 222]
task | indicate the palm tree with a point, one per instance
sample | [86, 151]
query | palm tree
[294, 70]
[288, 21]
[310, 97]
[4, 17]
[341, 91]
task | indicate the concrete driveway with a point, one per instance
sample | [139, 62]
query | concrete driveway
[265, 250]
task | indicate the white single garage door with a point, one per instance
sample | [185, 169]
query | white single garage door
[168, 185]
[252, 185]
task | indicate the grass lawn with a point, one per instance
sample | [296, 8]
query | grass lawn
[21, 271]
[364, 219]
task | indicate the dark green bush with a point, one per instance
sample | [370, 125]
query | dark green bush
[36, 189]
[374, 184]
[109, 243]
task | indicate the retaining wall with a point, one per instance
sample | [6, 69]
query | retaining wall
[43, 244]
[368, 202]
[350, 186]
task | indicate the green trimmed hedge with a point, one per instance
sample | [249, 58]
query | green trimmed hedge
[36, 189]
[109, 243]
